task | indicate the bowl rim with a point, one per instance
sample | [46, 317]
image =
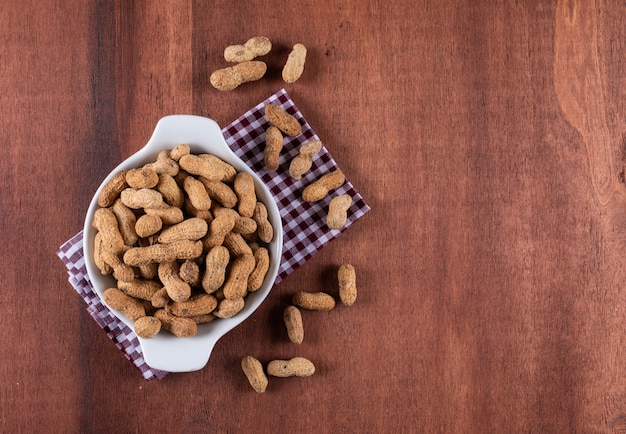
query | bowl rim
[167, 352]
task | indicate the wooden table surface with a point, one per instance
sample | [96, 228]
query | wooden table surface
[487, 136]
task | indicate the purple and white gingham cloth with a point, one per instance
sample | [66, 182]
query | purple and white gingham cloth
[304, 223]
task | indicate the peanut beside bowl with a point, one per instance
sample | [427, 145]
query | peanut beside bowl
[164, 351]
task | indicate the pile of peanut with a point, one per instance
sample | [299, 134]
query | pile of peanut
[292, 317]
[246, 69]
[186, 239]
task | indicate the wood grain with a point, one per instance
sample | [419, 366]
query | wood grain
[488, 138]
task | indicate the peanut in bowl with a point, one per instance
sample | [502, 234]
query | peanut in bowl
[165, 351]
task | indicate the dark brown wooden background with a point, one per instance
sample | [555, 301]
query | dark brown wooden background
[488, 137]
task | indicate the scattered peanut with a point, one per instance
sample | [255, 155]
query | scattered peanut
[319, 189]
[313, 300]
[338, 211]
[231, 77]
[138, 288]
[283, 120]
[293, 323]
[347, 284]
[254, 47]
[302, 162]
[295, 64]
[253, 369]
[273, 145]
[296, 367]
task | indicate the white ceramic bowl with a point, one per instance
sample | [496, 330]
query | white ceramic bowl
[165, 351]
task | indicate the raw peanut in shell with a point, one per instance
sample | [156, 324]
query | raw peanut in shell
[141, 198]
[203, 319]
[216, 261]
[160, 298]
[293, 323]
[147, 225]
[319, 189]
[190, 272]
[208, 166]
[236, 285]
[142, 178]
[147, 327]
[302, 162]
[181, 327]
[253, 369]
[112, 189]
[149, 271]
[227, 170]
[178, 151]
[236, 245]
[186, 249]
[204, 214]
[164, 164]
[102, 265]
[338, 211]
[231, 77]
[199, 304]
[129, 306]
[273, 145]
[196, 193]
[294, 67]
[121, 271]
[254, 47]
[219, 227]
[262, 264]
[283, 120]
[169, 215]
[228, 308]
[347, 284]
[219, 192]
[296, 367]
[264, 227]
[190, 229]
[126, 220]
[172, 194]
[244, 189]
[138, 288]
[177, 289]
[314, 300]
[105, 221]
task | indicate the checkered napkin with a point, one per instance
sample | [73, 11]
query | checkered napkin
[304, 224]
